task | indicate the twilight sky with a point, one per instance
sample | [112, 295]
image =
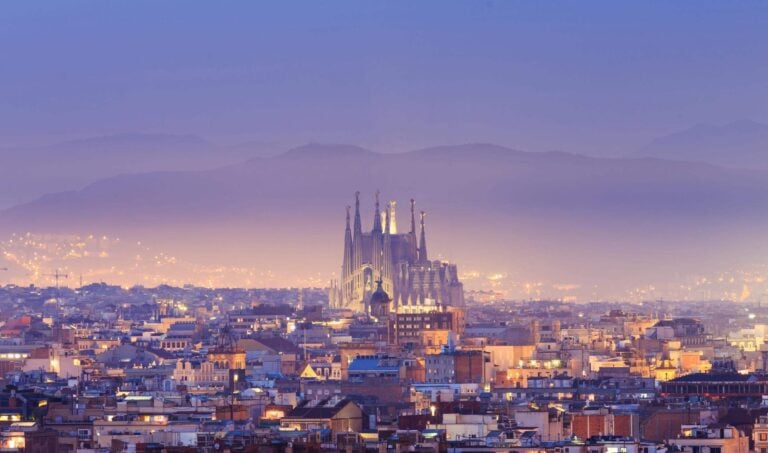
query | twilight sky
[590, 77]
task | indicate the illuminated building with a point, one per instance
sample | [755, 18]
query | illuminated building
[399, 260]
[200, 374]
[338, 415]
[228, 355]
[716, 386]
[724, 438]
[760, 434]
[428, 326]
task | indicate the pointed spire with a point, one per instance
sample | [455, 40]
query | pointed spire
[392, 222]
[377, 216]
[386, 258]
[387, 220]
[358, 223]
[423, 242]
[347, 240]
[413, 216]
[346, 266]
[348, 208]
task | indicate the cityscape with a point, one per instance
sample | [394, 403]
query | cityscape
[436, 227]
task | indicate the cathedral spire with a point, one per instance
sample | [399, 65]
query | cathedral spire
[377, 216]
[423, 242]
[413, 216]
[392, 222]
[358, 224]
[348, 228]
[348, 263]
[347, 238]
[388, 219]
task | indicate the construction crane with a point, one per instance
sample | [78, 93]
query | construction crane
[57, 275]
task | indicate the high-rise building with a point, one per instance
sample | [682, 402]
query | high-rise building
[399, 260]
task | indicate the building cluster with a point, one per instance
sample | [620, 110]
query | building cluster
[391, 359]
[104, 368]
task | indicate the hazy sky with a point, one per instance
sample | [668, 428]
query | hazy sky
[578, 76]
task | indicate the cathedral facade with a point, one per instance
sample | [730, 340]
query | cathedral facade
[399, 260]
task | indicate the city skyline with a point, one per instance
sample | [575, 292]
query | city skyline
[632, 141]
[346, 226]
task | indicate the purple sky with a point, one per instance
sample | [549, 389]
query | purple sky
[592, 77]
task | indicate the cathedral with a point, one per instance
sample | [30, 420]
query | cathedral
[396, 262]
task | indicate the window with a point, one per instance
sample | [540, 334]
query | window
[763, 437]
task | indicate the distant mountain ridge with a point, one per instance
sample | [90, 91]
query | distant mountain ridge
[618, 222]
[26, 173]
[741, 143]
[336, 170]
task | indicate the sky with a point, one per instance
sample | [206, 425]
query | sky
[598, 77]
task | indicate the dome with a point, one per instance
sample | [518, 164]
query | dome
[379, 296]
[378, 307]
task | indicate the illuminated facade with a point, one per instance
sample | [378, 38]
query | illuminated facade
[399, 260]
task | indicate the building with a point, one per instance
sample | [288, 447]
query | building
[718, 438]
[28, 437]
[200, 374]
[227, 353]
[455, 367]
[600, 422]
[716, 386]
[690, 332]
[760, 434]
[338, 415]
[426, 326]
[610, 444]
[399, 260]
[463, 426]
[376, 366]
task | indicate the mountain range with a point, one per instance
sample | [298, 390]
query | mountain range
[605, 226]
[741, 143]
[27, 173]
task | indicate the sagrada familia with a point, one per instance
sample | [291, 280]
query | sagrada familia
[398, 260]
